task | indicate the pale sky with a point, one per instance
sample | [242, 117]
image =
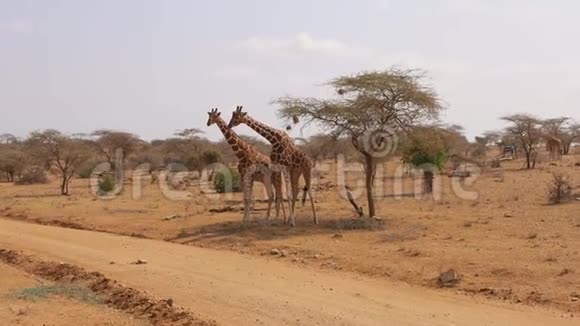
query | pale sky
[152, 67]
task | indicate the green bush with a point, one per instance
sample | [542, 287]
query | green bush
[87, 169]
[106, 183]
[227, 182]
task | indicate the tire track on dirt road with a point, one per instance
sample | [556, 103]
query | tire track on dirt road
[239, 290]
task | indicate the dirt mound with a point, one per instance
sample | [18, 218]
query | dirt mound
[129, 300]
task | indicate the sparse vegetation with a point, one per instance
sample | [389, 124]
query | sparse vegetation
[106, 183]
[427, 149]
[75, 292]
[527, 131]
[32, 175]
[559, 189]
[415, 234]
[230, 181]
[63, 154]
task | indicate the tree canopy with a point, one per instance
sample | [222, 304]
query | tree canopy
[371, 108]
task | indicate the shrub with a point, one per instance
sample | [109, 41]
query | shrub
[559, 189]
[106, 183]
[87, 169]
[227, 182]
[32, 175]
[198, 162]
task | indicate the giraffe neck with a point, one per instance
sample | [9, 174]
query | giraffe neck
[233, 139]
[274, 136]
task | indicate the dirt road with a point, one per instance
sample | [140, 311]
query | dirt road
[235, 289]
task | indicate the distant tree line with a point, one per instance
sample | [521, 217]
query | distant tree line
[394, 109]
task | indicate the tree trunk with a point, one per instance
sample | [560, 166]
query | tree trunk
[67, 185]
[528, 160]
[428, 177]
[566, 148]
[63, 186]
[369, 180]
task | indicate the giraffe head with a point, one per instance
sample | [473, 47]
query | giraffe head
[214, 116]
[238, 117]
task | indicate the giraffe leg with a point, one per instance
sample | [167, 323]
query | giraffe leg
[288, 193]
[308, 188]
[279, 186]
[247, 188]
[282, 203]
[294, 177]
[251, 194]
[278, 190]
[270, 193]
[281, 200]
[247, 204]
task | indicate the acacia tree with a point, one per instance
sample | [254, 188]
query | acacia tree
[8, 139]
[370, 108]
[108, 142]
[189, 133]
[12, 162]
[555, 126]
[527, 131]
[61, 153]
[429, 148]
[570, 134]
[322, 146]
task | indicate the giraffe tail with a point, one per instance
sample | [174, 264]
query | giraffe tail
[304, 193]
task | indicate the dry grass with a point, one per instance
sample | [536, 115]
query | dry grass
[75, 292]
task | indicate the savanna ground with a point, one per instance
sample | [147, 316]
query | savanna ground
[507, 244]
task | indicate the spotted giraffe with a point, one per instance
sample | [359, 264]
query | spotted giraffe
[252, 166]
[554, 147]
[285, 154]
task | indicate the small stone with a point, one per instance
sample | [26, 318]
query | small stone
[139, 262]
[508, 215]
[275, 252]
[170, 217]
[283, 253]
[448, 278]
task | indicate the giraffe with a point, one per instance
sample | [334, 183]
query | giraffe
[554, 146]
[252, 166]
[285, 155]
